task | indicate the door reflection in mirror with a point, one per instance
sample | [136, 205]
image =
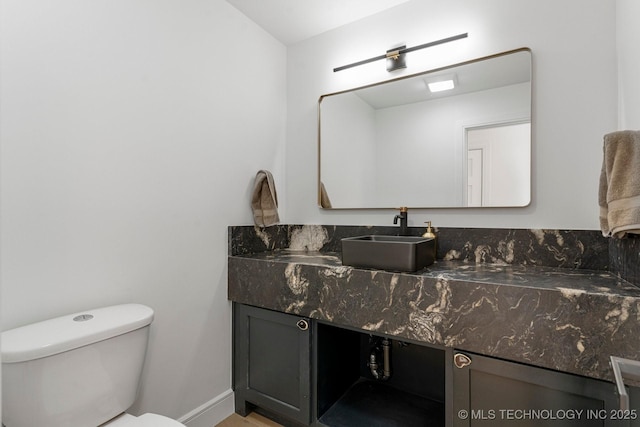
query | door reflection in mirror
[498, 169]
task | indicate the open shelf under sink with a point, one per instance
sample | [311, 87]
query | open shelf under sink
[375, 404]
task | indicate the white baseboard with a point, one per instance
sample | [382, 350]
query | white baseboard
[212, 412]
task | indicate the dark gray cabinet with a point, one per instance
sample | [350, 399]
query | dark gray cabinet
[306, 373]
[272, 363]
[493, 392]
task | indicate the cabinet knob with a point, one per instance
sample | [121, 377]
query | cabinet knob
[461, 360]
[302, 324]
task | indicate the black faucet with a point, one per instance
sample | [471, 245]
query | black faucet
[403, 217]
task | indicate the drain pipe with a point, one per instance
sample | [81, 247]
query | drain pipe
[373, 364]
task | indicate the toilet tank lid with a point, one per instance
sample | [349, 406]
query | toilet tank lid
[68, 332]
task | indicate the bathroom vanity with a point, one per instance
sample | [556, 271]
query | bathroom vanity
[470, 343]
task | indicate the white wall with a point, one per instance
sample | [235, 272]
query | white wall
[574, 46]
[628, 36]
[131, 133]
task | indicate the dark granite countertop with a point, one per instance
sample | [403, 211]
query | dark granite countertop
[589, 281]
[569, 320]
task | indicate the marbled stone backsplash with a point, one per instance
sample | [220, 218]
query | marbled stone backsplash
[576, 249]
[624, 258]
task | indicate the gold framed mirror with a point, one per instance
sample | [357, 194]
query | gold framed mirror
[396, 143]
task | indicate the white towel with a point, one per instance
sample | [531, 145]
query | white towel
[264, 200]
[619, 192]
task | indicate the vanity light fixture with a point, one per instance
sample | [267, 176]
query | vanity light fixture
[397, 54]
[442, 83]
[395, 59]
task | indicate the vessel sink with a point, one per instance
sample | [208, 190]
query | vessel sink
[396, 253]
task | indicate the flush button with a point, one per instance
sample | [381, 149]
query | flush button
[83, 317]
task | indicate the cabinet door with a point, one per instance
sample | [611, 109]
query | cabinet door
[272, 362]
[493, 393]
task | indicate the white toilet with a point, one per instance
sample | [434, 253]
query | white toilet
[80, 370]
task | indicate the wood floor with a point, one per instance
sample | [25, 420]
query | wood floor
[251, 420]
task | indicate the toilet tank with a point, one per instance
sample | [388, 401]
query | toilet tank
[77, 370]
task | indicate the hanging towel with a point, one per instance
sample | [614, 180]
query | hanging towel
[619, 192]
[325, 202]
[264, 201]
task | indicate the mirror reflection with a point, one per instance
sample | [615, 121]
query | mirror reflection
[402, 143]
